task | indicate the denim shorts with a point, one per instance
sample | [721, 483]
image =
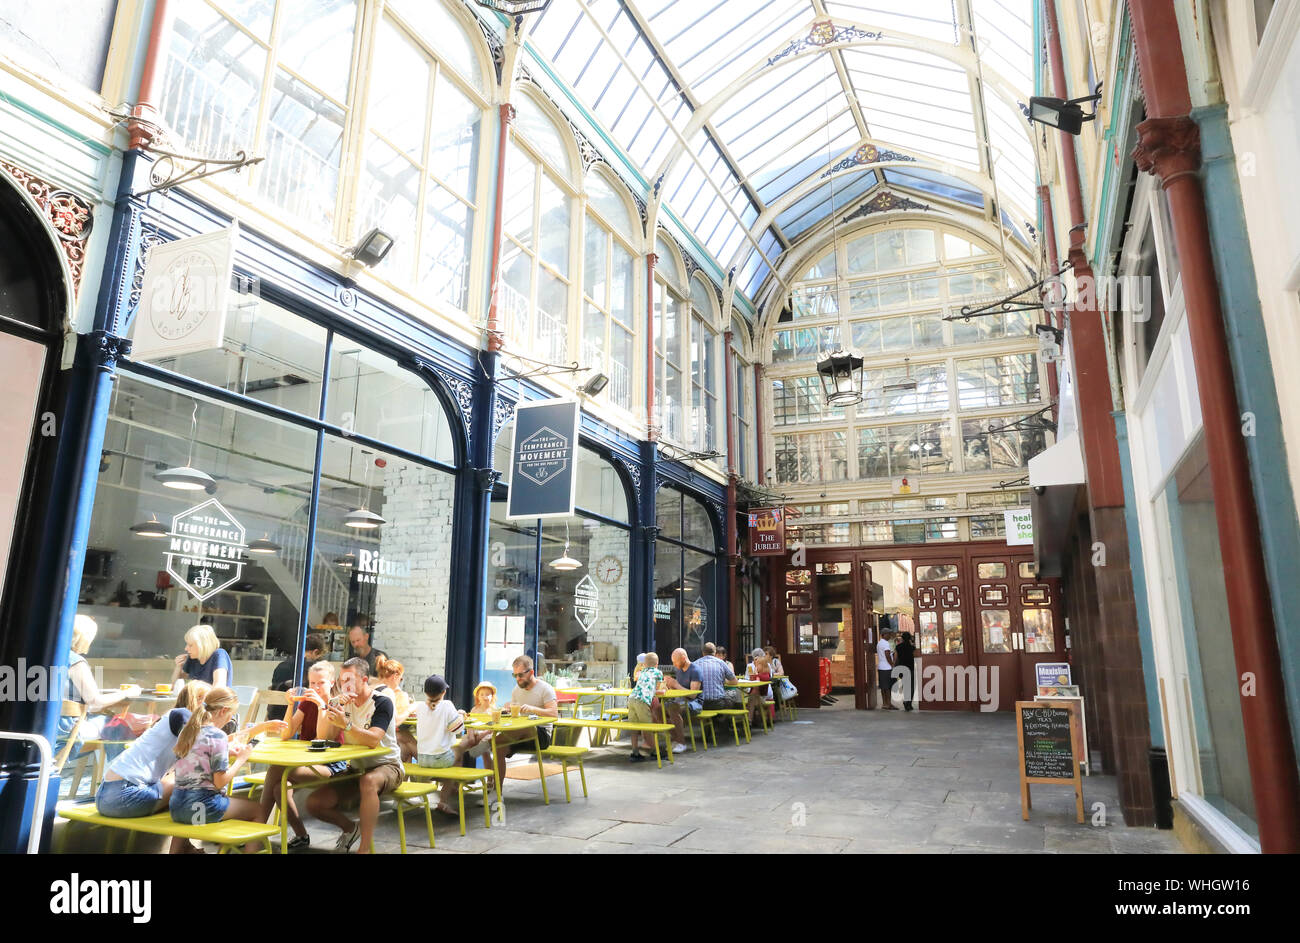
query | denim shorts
[436, 760]
[120, 799]
[198, 806]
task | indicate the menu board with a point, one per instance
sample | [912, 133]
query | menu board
[1048, 752]
[1045, 736]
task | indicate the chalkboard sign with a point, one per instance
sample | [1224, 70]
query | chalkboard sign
[1048, 752]
[1045, 736]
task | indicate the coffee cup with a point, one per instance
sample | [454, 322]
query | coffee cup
[319, 744]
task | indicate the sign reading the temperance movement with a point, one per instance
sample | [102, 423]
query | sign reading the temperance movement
[206, 549]
[543, 462]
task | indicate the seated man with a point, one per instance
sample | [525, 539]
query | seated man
[713, 677]
[536, 698]
[367, 719]
[687, 678]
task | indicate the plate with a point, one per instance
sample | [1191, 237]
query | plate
[317, 749]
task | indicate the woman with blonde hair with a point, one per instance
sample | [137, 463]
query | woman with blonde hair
[204, 767]
[82, 689]
[204, 659]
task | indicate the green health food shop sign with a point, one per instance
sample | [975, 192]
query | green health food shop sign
[544, 460]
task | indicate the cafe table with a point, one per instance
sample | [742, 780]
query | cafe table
[293, 753]
[504, 725]
[595, 692]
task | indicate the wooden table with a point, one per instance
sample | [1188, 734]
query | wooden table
[292, 753]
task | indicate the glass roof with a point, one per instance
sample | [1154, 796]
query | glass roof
[753, 110]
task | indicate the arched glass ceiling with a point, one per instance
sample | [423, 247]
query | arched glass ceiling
[746, 107]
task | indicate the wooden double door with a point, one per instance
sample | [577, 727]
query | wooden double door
[979, 617]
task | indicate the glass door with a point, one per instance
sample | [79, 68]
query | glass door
[999, 636]
[941, 638]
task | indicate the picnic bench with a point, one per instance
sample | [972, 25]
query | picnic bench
[593, 724]
[463, 776]
[227, 834]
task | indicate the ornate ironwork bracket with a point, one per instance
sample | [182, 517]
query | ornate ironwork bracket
[1034, 422]
[1020, 482]
[487, 478]
[167, 173]
[650, 532]
[106, 349]
[1009, 302]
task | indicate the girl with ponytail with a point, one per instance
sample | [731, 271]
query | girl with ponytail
[205, 766]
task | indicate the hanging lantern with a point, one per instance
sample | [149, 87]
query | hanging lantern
[841, 376]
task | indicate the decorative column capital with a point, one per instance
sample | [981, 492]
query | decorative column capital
[487, 478]
[106, 349]
[650, 532]
[1168, 147]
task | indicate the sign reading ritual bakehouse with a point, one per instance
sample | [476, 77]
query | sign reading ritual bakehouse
[544, 460]
[205, 549]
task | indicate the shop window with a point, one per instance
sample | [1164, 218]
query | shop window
[1028, 570]
[995, 627]
[953, 643]
[372, 396]
[686, 590]
[394, 577]
[697, 526]
[232, 556]
[267, 353]
[991, 571]
[928, 633]
[936, 572]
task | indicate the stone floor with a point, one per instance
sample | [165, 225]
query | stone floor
[838, 781]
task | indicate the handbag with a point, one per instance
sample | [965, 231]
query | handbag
[788, 691]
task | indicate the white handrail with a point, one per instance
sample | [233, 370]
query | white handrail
[47, 767]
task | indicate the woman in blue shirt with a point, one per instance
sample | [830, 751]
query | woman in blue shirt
[204, 659]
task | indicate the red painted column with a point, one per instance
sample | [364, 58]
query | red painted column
[1169, 146]
[144, 114]
[495, 333]
[1050, 294]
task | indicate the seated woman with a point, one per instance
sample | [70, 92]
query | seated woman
[760, 669]
[390, 672]
[302, 724]
[204, 659]
[82, 689]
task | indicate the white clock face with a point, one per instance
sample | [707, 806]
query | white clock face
[181, 302]
[609, 569]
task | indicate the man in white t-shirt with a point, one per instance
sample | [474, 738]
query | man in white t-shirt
[884, 668]
[535, 698]
[367, 718]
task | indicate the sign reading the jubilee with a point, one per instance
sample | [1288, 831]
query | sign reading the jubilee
[544, 460]
[767, 532]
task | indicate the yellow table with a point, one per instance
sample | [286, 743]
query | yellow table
[482, 722]
[292, 753]
[595, 692]
[747, 685]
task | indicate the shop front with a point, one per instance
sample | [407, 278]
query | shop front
[689, 577]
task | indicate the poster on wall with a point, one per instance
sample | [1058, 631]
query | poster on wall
[1020, 526]
[767, 532]
[544, 460]
[183, 296]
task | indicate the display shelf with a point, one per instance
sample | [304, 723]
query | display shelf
[231, 612]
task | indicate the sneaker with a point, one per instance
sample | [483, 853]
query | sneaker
[348, 839]
[299, 841]
[638, 758]
[679, 748]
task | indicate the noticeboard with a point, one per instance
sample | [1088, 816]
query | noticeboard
[1045, 737]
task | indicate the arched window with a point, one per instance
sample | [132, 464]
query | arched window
[421, 161]
[704, 368]
[537, 220]
[670, 339]
[609, 287]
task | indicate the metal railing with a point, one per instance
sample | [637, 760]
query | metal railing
[42, 784]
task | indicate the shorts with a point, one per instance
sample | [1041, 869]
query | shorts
[391, 777]
[436, 760]
[120, 799]
[638, 712]
[335, 769]
[198, 806]
[886, 679]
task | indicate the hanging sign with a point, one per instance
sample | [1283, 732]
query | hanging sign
[586, 603]
[1020, 526]
[544, 460]
[1045, 736]
[183, 296]
[206, 549]
[767, 532]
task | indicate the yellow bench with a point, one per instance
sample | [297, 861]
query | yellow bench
[227, 834]
[462, 776]
[567, 755]
[709, 716]
[412, 793]
[653, 729]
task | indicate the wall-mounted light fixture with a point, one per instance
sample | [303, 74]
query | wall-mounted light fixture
[372, 248]
[594, 385]
[1063, 115]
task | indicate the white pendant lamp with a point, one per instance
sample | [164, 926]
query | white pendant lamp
[150, 528]
[363, 518]
[264, 545]
[565, 563]
[186, 477]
